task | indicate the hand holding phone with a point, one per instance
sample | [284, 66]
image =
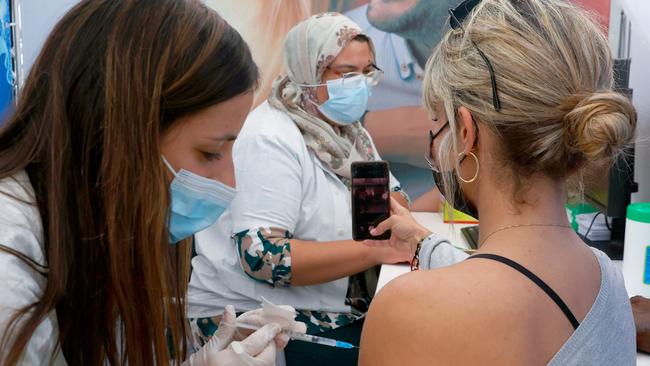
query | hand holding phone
[405, 231]
[370, 198]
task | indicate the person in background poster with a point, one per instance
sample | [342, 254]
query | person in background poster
[263, 25]
[404, 32]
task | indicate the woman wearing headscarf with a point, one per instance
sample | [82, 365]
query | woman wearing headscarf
[287, 234]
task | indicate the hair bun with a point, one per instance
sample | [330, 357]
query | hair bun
[600, 125]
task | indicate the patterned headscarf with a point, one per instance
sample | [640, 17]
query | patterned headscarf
[309, 48]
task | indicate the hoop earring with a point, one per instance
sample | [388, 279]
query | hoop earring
[459, 160]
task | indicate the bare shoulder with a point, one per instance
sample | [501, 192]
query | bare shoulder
[413, 310]
[431, 317]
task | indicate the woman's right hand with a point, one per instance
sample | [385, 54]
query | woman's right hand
[258, 349]
[405, 235]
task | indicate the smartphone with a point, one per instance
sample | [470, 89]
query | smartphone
[370, 198]
[471, 236]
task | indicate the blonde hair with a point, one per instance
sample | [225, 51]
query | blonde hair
[554, 74]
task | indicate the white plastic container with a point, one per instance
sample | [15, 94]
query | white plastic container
[636, 258]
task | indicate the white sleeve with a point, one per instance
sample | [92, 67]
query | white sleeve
[269, 184]
[437, 252]
[21, 284]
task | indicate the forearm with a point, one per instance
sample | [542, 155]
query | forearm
[400, 199]
[400, 142]
[428, 202]
[319, 262]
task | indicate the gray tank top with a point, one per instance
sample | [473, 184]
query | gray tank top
[606, 335]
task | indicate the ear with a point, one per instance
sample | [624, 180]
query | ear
[467, 129]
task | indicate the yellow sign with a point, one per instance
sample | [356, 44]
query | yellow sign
[450, 215]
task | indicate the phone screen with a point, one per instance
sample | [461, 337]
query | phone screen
[370, 198]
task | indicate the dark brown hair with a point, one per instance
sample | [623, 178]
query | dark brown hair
[111, 77]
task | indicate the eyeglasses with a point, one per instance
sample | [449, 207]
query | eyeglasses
[456, 17]
[373, 77]
[428, 156]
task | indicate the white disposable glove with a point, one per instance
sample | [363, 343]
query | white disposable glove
[282, 315]
[258, 349]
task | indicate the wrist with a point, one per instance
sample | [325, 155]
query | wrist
[419, 236]
[415, 262]
[374, 255]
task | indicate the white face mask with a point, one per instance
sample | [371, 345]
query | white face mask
[196, 203]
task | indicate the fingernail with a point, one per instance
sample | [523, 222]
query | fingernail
[373, 232]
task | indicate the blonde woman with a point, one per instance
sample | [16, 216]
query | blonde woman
[521, 92]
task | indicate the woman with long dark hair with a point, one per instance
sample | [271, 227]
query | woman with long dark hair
[120, 146]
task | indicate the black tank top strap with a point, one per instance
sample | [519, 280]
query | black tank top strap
[538, 281]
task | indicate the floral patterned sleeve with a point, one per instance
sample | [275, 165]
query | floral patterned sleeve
[265, 255]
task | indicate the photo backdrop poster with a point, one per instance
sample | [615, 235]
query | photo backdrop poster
[7, 75]
[404, 33]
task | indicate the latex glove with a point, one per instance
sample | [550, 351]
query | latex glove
[283, 315]
[258, 349]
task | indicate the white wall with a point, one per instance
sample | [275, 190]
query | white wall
[38, 19]
[638, 12]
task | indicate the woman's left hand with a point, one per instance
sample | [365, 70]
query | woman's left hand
[405, 231]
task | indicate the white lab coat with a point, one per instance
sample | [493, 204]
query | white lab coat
[20, 285]
[280, 184]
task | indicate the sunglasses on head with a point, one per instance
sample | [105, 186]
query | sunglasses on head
[456, 18]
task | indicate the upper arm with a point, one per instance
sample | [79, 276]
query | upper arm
[430, 201]
[21, 281]
[20, 235]
[266, 209]
[268, 173]
[265, 255]
[21, 285]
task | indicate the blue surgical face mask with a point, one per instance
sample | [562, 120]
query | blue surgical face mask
[347, 101]
[197, 203]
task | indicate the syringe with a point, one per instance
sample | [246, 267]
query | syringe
[305, 337]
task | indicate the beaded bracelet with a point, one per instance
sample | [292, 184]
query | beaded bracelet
[415, 262]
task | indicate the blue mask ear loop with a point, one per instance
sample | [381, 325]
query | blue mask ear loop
[169, 166]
